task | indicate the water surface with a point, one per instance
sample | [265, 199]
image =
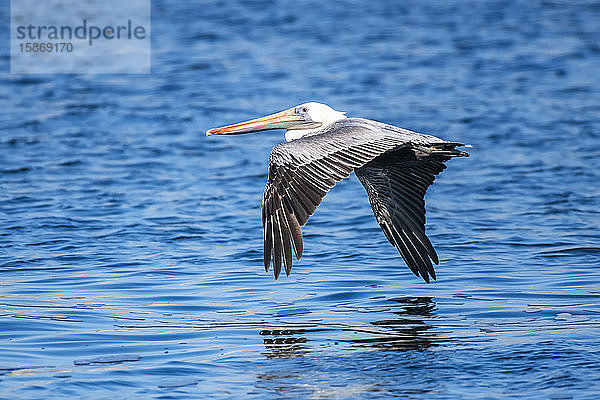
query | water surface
[131, 254]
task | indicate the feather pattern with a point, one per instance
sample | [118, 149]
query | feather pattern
[396, 166]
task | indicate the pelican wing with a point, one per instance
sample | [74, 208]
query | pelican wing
[396, 183]
[302, 171]
[395, 165]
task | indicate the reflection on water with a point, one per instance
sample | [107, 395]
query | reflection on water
[407, 331]
[284, 343]
[410, 330]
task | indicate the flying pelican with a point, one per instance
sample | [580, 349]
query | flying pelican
[395, 165]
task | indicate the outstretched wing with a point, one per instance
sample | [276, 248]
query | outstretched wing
[302, 171]
[396, 183]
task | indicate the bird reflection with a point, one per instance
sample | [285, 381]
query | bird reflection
[408, 331]
[284, 343]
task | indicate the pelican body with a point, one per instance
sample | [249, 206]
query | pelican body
[395, 165]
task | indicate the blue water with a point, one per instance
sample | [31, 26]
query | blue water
[131, 244]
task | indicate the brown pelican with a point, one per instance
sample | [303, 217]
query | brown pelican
[395, 165]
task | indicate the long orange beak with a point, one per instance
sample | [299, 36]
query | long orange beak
[281, 120]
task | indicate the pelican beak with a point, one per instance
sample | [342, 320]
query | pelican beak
[282, 120]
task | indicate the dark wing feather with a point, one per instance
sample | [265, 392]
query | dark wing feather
[396, 183]
[302, 171]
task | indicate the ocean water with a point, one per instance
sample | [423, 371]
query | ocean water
[131, 244]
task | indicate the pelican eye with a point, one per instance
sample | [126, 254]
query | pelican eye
[304, 109]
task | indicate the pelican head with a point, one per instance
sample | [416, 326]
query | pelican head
[298, 121]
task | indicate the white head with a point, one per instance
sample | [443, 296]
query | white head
[298, 121]
[317, 112]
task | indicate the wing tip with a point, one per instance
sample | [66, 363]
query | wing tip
[427, 276]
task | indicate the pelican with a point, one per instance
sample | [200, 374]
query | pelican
[395, 165]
